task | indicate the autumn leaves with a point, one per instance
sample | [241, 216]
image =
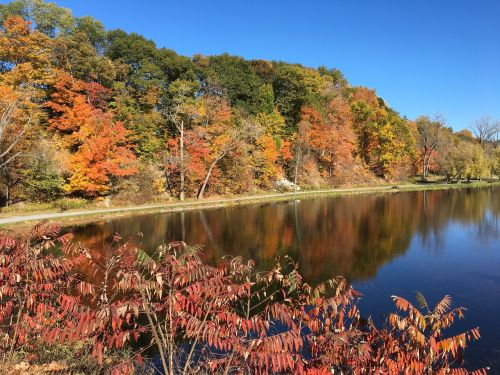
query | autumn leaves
[94, 147]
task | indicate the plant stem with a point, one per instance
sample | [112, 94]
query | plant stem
[155, 333]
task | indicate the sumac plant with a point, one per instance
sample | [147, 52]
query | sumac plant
[192, 317]
[44, 299]
[34, 284]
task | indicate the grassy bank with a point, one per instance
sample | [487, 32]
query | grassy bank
[70, 212]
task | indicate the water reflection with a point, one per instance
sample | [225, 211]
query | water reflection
[350, 236]
[437, 242]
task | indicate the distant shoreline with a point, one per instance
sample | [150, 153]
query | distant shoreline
[82, 216]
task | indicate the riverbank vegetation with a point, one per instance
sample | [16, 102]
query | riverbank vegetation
[96, 114]
[124, 310]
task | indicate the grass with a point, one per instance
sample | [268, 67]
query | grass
[60, 205]
[79, 206]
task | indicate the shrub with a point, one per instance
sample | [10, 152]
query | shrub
[65, 204]
[200, 318]
[146, 186]
[42, 178]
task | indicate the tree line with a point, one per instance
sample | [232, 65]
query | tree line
[93, 113]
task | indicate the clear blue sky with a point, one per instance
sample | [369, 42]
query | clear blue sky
[422, 57]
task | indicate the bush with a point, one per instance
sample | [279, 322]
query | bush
[65, 204]
[147, 185]
[42, 179]
[201, 318]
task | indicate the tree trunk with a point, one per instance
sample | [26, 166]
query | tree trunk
[423, 166]
[427, 160]
[7, 195]
[207, 176]
[296, 172]
[168, 177]
[181, 146]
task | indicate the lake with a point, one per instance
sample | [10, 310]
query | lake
[436, 242]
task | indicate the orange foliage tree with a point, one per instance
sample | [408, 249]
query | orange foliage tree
[23, 48]
[267, 154]
[331, 136]
[270, 149]
[24, 68]
[96, 147]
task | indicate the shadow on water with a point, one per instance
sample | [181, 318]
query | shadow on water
[439, 242]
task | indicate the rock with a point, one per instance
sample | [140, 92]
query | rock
[107, 201]
[283, 184]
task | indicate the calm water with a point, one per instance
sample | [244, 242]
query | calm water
[436, 242]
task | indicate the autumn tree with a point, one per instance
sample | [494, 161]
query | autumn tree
[298, 150]
[397, 151]
[210, 123]
[495, 162]
[456, 164]
[17, 115]
[364, 107]
[331, 136]
[265, 156]
[95, 147]
[385, 141]
[219, 133]
[486, 131]
[478, 163]
[24, 67]
[182, 109]
[431, 137]
[270, 147]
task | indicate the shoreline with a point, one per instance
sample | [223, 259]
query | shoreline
[83, 216]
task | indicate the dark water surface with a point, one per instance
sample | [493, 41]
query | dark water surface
[436, 242]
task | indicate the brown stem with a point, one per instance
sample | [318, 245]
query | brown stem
[170, 334]
[207, 176]
[228, 366]
[226, 371]
[155, 332]
[188, 359]
[11, 351]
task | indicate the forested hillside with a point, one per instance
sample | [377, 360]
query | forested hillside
[92, 113]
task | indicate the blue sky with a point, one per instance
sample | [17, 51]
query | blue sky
[422, 57]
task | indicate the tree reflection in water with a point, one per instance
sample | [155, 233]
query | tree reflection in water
[351, 236]
[438, 242]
